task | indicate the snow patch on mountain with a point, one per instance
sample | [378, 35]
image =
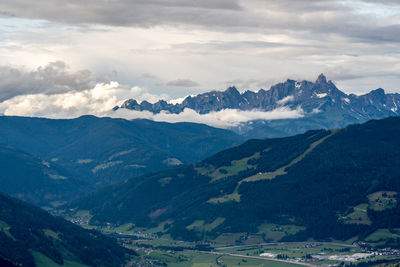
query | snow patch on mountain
[321, 95]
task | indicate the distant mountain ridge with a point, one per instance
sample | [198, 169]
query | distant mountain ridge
[292, 93]
[324, 106]
[44, 161]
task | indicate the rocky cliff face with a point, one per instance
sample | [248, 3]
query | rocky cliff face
[324, 105]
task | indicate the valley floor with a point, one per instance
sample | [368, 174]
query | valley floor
[163, 251]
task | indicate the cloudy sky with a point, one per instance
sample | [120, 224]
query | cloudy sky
[62, 58]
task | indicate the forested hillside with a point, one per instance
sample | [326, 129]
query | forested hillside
[105, 150]
[29, 235]
[328, 184]
[35, 180]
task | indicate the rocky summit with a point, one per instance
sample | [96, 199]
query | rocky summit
[321, 103]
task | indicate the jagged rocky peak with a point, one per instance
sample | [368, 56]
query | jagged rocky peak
[376, 96]
[321, 94]
[321, 79]
[129, 102]
[377, 92]
[232, 91]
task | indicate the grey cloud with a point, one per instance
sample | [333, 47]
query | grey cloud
[294, 17]
[384, 2]
[148, 76]
[51, 79]
[182, 83]
[342, 74]
[234, 45]
[248, 84]
[118, 12]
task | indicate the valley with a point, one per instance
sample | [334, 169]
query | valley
[200, 133]
[321, 185]
[322, 198]
[244, 250]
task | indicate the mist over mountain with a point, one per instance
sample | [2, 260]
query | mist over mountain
[321, 103]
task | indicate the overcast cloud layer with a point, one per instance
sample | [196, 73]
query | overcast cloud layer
[172, 48]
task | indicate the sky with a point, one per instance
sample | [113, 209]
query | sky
[62, 58]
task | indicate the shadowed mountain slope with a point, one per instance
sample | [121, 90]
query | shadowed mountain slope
[316, 181]
[36, 180]
[29, 235]
[105, 150]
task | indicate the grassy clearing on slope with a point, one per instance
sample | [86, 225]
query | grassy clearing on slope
[199, 225]
[43, 261]
[235, 196]
[4, 227]
[381, 234]
[357, 216]
[378, 201]
[282, 170]
[52, 234]
[273, 232]
[235, 167]
[382, 200]
[229, 197]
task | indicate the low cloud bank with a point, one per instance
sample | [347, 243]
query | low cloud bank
[222, 119]
[100, 100]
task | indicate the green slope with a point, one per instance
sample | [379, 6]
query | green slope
[30, 236]
[313, 181]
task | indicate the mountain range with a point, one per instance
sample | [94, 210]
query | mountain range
[45, 161]
[322, 184]
[322, 104]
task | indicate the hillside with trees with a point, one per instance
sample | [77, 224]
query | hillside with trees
[29, 235]
[330, 184]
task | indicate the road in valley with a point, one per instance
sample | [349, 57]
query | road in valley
[255, 257]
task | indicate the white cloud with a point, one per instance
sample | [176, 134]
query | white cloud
[179, 100]
[103, 97]
[97, 101]
[141, 94]
[223, 119]
[285, 100]
[175, 101]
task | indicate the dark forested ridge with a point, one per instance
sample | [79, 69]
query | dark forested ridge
[28, 233]
[96, 151]
[335, 184]
[35, 180]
